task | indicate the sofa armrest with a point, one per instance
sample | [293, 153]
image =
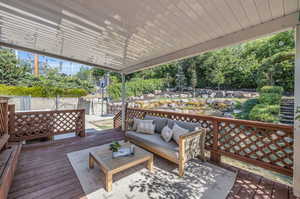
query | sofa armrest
[191, 145]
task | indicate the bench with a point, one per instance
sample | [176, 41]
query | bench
[8, 163]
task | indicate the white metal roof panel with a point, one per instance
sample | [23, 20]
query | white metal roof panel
[127, 36]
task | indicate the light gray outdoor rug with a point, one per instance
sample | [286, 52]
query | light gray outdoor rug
[201, 180]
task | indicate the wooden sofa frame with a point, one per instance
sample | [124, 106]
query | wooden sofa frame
[185, 153]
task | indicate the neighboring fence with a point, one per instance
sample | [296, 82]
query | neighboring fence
[266, 145]
[37, 124]
[113, 108]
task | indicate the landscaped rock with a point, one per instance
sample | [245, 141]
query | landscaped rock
[157, 92]
[229, 94]
[238, 94]
[184, 100]
[229, 102]
[183, 95]
[220, 94]
[236, 111]
[150, 95]
[212, 95]
[228, 115]
[166, 95]
[205, 96]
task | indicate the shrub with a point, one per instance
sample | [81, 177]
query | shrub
[136, 87]
[271, 89]
[37, 91]
[246, 108]
[74, 92]
[265, 113]
[269, 98]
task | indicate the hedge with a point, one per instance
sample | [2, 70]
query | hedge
[269, 98]
[37, 91]
[271, 89]
[247, 106]
[266, 108]
[136, 87]
[265, 113]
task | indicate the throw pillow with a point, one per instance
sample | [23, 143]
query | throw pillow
[166, 134]
[135, 123]
[177, 132]
[159, 122]
[146, 126]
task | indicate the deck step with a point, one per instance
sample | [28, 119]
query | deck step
[287, 122]
[287, 117]
[287, 111]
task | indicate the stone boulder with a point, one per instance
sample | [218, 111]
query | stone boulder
[157, 92]
[220, 94]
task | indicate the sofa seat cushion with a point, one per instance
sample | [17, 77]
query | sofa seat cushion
[155, 141]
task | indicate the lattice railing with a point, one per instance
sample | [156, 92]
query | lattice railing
[263, 144]
[38, 124]
[117, 120]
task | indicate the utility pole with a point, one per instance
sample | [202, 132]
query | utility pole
[36, 65]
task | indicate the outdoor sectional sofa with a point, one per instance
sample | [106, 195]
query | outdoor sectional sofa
[190, 145]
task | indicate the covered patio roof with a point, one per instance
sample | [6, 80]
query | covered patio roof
[127, 36]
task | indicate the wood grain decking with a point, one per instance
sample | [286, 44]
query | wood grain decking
[45, 172]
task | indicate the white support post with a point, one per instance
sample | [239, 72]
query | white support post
[296, 177]
[123, 101]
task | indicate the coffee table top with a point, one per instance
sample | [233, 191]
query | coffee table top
[109, 164]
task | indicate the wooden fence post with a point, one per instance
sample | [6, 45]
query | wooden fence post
[215, 155]
[81, 129]
[4, 136]
[11, 120]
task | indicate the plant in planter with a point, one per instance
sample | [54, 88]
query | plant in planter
[115, 146]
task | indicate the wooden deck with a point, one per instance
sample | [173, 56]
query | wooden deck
[44, 172]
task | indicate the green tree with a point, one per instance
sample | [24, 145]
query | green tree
[180, 78]
[277, 70]
[10, 72]
[84, 73]
[97, 73]
[218, 77]
[193, 78]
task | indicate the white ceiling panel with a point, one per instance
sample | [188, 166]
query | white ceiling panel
[126, 36]
[290, 6]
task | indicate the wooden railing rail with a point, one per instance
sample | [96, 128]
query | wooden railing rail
[37, 124]
[266, 145]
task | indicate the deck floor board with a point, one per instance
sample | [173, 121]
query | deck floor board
[44, 171]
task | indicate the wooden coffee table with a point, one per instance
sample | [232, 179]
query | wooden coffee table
[110, 166]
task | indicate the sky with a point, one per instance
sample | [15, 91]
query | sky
[69, 68]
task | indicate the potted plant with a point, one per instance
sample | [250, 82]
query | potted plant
[115, 146]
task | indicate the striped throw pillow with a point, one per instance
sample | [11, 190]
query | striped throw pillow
[145, 126]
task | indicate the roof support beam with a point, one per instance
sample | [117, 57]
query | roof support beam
[297, 122]
[253, 32]
[56, 56]
[123, 116]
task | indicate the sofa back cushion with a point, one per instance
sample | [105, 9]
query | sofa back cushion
[159, 122]
[186, 125]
